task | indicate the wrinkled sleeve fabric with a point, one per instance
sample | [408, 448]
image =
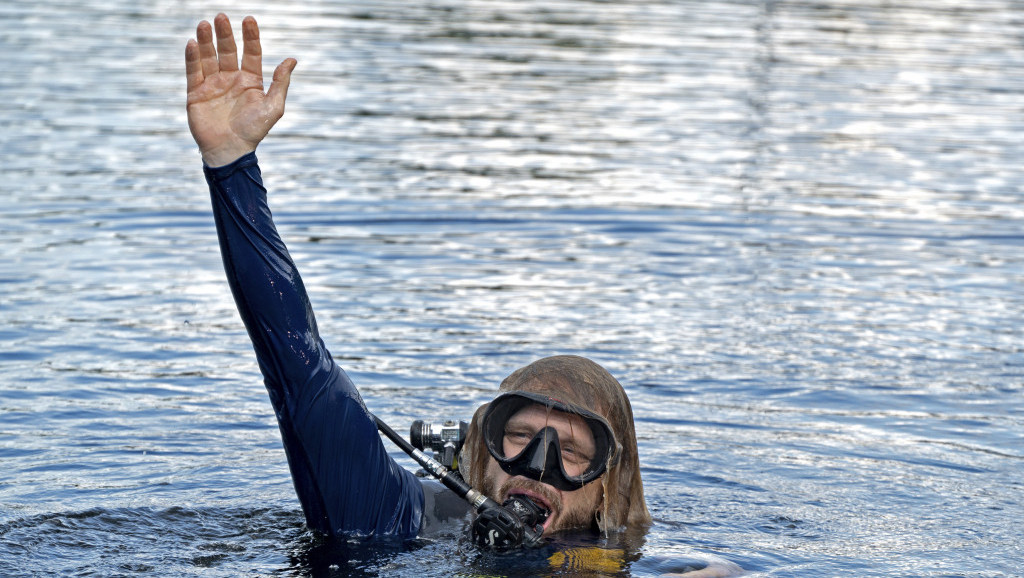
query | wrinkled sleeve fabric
[347, 483]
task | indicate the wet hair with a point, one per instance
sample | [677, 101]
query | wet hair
[578, 381]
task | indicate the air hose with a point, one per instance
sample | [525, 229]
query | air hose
[515, 524]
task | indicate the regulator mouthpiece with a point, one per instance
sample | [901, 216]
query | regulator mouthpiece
[531, 513]
[517, 523]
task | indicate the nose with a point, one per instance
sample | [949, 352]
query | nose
[546, 455]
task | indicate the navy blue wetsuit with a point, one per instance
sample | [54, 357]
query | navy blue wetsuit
[345, 480]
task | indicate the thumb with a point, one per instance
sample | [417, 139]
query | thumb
[278, 91]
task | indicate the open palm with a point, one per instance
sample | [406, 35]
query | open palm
[228, 112]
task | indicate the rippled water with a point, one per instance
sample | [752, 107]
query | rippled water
[792, 229]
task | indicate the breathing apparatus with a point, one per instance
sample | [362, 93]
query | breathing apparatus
[517, 523]
[445, 439]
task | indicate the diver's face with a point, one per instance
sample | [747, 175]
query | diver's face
[569, 509]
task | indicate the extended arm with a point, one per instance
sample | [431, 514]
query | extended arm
[345, 480]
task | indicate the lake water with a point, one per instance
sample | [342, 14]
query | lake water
[792, 229]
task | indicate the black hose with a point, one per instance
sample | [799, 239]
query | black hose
[497, 527]
[447, 477]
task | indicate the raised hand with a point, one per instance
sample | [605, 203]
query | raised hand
[228, 112]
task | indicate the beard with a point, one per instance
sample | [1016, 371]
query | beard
[578, 516]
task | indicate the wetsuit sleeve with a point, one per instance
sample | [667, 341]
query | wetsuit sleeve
[344, 478]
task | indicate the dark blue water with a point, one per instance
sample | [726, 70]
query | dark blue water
[792, 229]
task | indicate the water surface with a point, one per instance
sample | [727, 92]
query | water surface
[792, 230]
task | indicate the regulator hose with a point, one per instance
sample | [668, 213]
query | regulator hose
[517, 523]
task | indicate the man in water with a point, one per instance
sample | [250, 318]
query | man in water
[561, 432]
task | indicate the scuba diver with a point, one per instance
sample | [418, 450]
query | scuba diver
[556, 448]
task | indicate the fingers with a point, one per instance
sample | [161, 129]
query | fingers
[278, 91]
[227, 52]
[203, 59]
[207, 53]
[252, 53]
[193, 66]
